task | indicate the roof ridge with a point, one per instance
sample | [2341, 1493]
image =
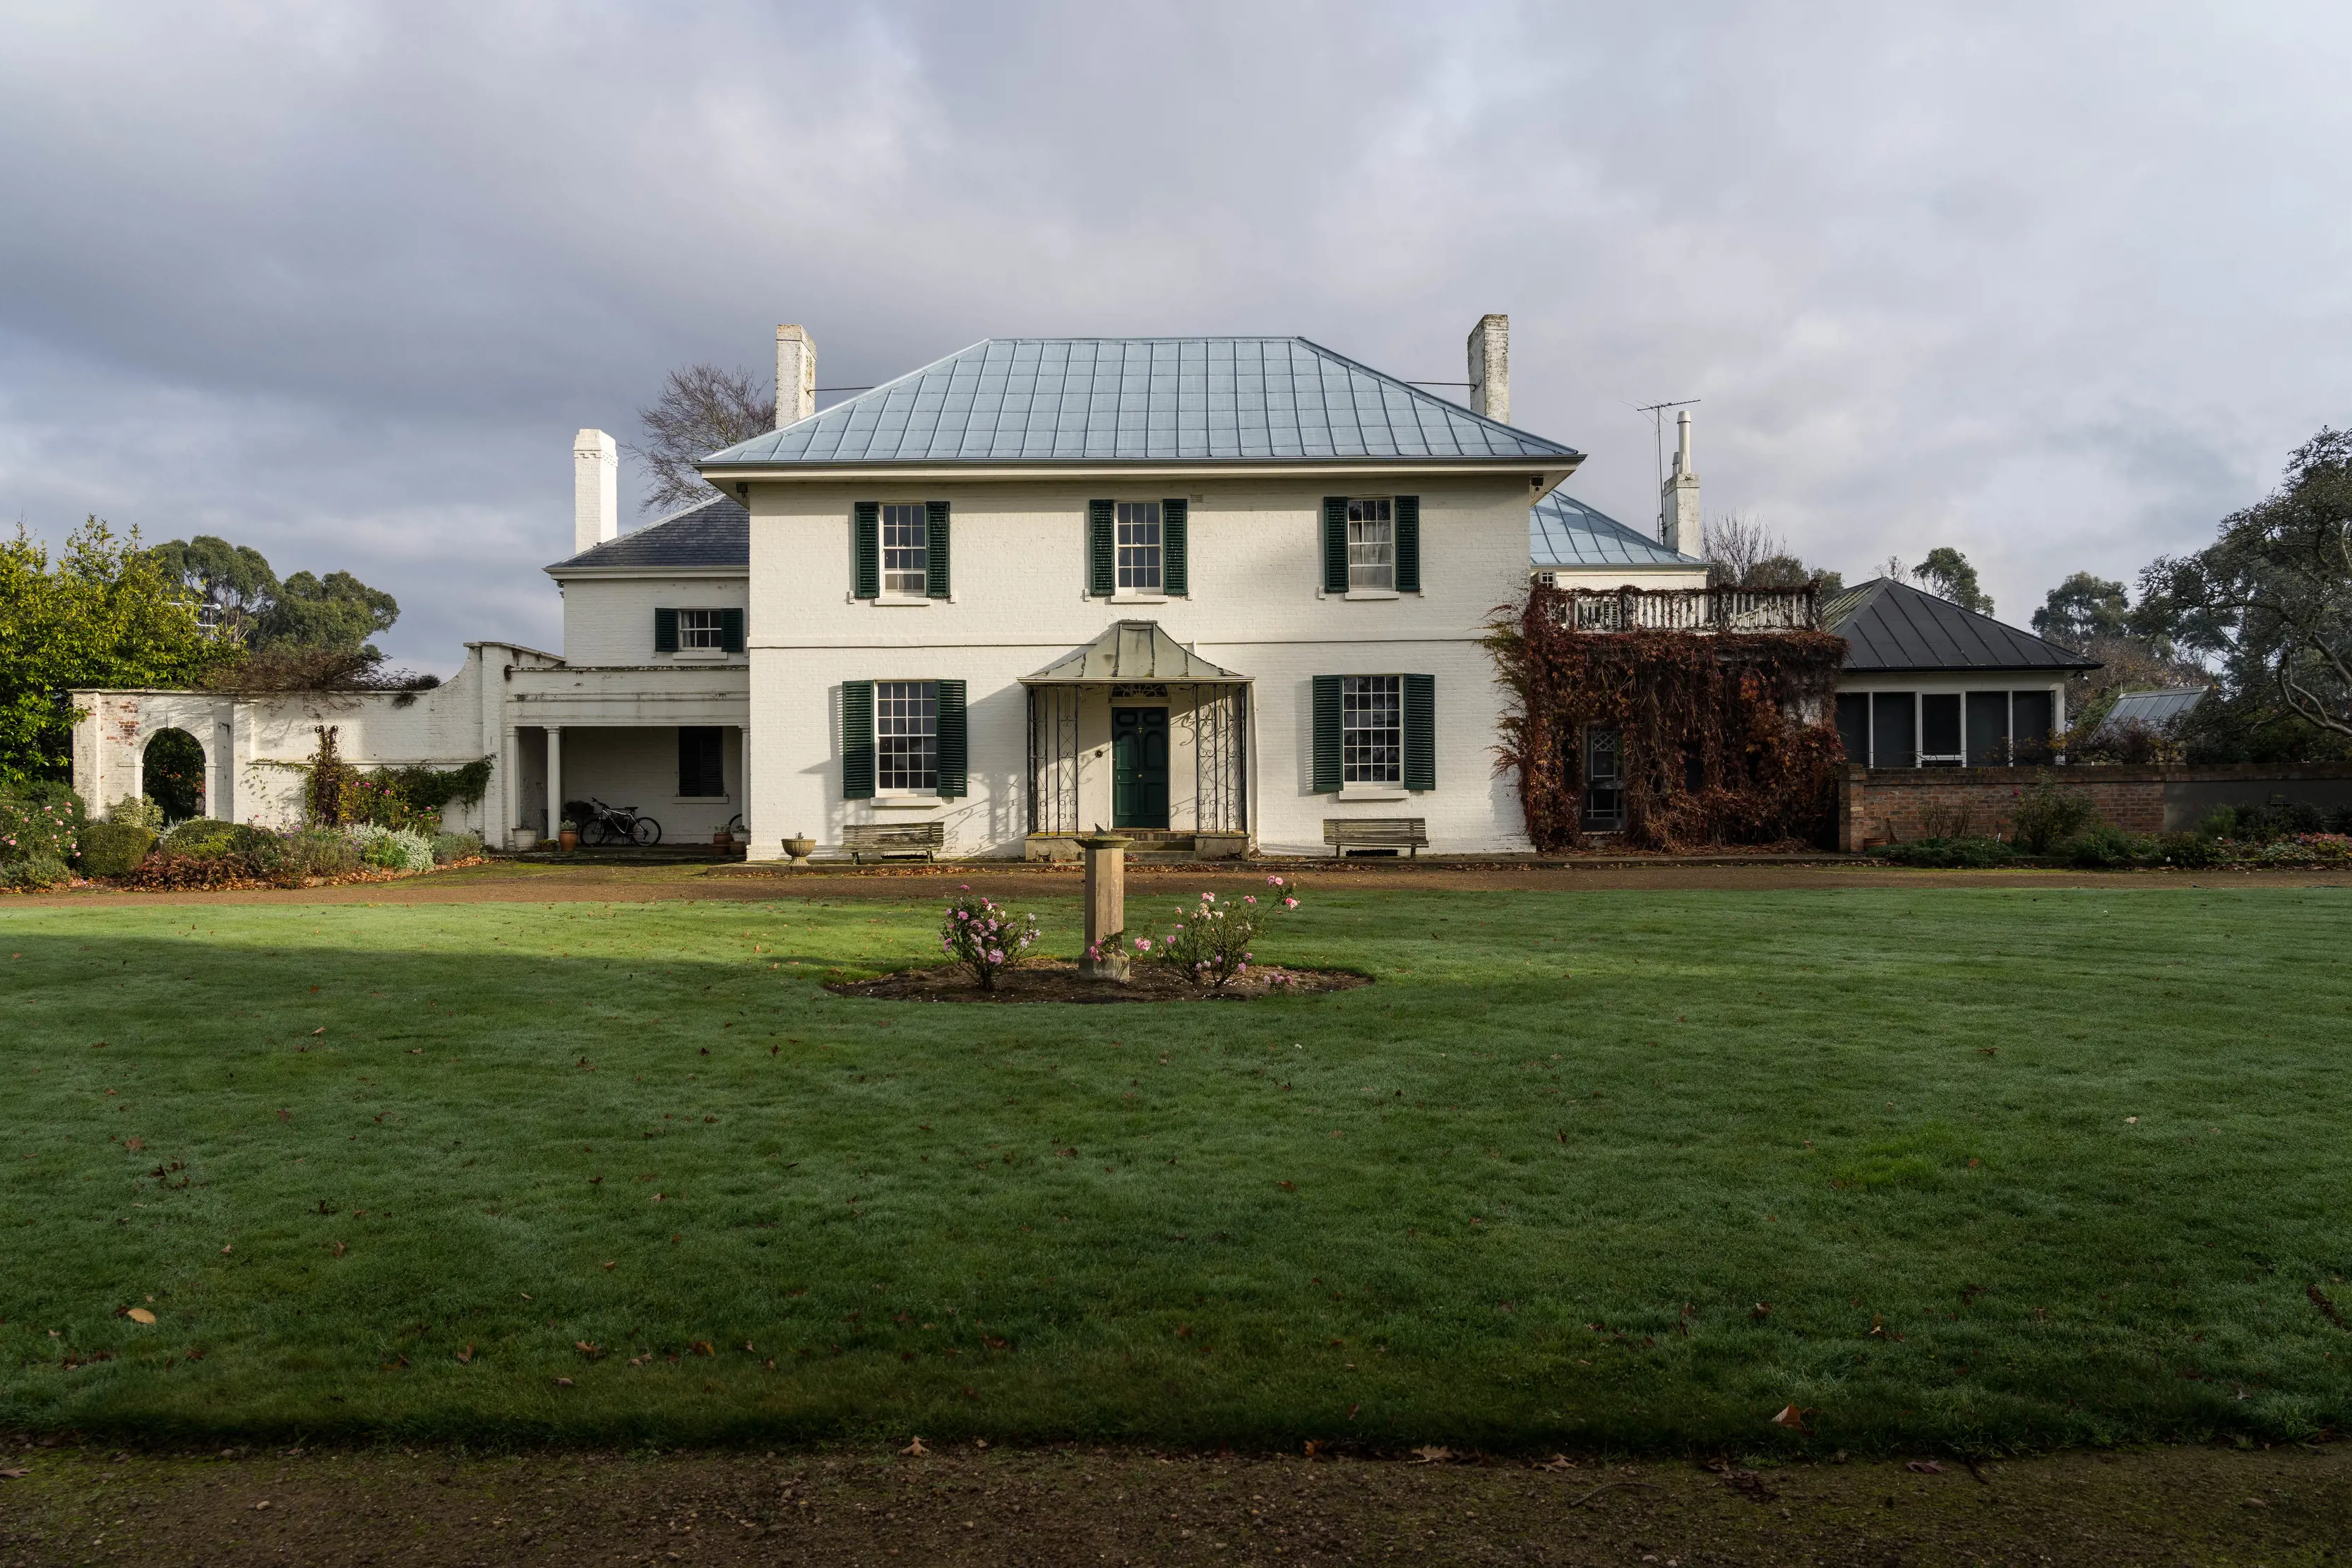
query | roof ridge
[1413, 391]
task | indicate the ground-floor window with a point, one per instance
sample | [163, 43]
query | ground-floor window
[1371, 729]
[907, 735]
[702, 760]
[1946, 729]
[1604, 781]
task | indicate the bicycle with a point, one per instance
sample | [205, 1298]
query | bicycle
[602, 824]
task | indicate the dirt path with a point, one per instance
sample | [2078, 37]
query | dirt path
[1082, 1505]
[588, 882]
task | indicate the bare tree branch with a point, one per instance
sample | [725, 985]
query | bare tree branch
[700, 410]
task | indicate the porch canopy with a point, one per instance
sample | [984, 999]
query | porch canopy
[1133, 651]
[1135, 661]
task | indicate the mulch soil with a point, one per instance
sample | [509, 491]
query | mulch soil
[1058, 980]
[1063, 1507]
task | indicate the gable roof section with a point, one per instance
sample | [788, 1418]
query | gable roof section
[1890, 625]
[1562, 531]
[713, 533]
[1143, 400]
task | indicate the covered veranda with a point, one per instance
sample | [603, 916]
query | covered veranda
[1138, 733]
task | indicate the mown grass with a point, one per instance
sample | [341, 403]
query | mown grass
[2003, 1168]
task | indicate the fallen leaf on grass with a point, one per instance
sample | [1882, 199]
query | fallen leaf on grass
[339, 1249]
[1792, 1418]
[140, 1315]
[1762, 1310]
[262, 1504]
[590, 1351]
[563, 1383]
[320, 1030]
[915, 1450]
[1924, 1468]
[135, 1143]
[702, 1347]
[612, 1265]
[15, 1475]
[1431, 1454]
[1558, 1462]
[466, 1356]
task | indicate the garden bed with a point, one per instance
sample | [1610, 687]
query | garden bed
[1058, 980]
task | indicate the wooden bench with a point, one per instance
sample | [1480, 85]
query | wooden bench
[1408, 833]
[883, 839]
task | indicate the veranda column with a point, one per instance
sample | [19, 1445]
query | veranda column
[554, 780]
[1106, 955]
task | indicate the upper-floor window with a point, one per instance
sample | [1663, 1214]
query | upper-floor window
[1372, 545]
[905, 557]
[1371, 729]
[1138, 546]
[907, 735]
[701, 629]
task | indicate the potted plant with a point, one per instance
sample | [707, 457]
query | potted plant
[798, 849]
[568, 837]
[525, 837]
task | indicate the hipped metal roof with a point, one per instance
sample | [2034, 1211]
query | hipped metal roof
[712, 533]
[1142, 399]
[1890, 625]
[1133, 651]
[1562, 531]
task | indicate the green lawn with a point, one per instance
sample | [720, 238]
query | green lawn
[2009, 1167]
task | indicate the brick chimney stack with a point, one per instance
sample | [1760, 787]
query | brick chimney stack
[1490, 368]
[795, 375]
[595, 489]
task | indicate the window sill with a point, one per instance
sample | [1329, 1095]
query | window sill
[901, 600]
[907, 802]
[1371, 792]
[1137, 599]
[700, 655]
[1374, 593]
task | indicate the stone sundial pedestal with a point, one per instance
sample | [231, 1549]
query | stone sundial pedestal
[1106, 855]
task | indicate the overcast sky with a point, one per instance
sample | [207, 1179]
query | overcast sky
[2057, 284]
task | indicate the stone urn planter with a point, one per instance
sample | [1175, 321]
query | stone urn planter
[525, 839]
[797, 851]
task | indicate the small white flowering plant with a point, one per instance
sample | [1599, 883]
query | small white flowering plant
[984, 936]
[1212, 944]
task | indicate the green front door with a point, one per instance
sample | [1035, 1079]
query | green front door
[1138, 766]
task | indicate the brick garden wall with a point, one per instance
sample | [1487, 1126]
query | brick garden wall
[1884, 805]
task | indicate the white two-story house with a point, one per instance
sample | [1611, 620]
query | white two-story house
[1214, 591]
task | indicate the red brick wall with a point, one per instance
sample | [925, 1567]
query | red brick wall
[1896, 804]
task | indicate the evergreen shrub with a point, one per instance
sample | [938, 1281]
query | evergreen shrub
[115, 848]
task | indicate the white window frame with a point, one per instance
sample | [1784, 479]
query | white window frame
[1372, 545]
[1139, 547]
[701, 630]
[1377, 762]
[903, 515]
[920, 725]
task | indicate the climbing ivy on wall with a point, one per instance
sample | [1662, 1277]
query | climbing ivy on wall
[340, 794]
[1725, 737]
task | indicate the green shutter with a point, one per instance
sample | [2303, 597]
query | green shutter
[1335, 547]
[1408, 544]
[665, 631]
[857, 740]
[1327, 727]
[1175, 580]
[731, 631]
[1420, 731]
[935, 549]
[867, 531]
[954, 767]
[1102, 556]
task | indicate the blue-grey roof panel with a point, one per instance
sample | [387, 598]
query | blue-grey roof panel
[716, 532]
[1562, 531]
[1890, 625]
[1143, 400]
[2155, 709]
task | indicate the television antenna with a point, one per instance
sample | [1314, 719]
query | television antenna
[1657, 412]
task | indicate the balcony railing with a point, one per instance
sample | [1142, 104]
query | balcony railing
[1691, 609]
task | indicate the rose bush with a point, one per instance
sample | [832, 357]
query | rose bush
[1212, 943]
[984, 936]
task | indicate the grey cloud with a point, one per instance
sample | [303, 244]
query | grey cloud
[2058, 285]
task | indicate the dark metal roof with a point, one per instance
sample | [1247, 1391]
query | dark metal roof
[1890, 625]
[1562, 531]
[716, 532]
[2155, 709]
[1140, 399]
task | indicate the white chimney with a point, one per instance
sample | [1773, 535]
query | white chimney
[1678, 505]
[595, 489]
[795, 375]
[1490, 368]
